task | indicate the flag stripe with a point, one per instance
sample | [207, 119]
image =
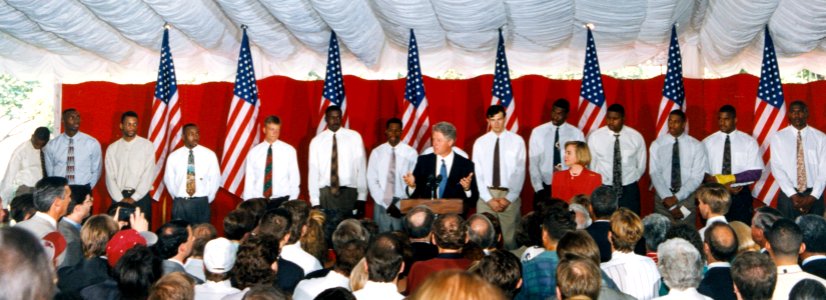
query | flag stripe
[770, 115]
[416, 118]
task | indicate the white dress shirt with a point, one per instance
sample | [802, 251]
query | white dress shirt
[207, 172]
[693, 165]
[634, 274]
[212, 290]
[378, 167]
[686, 294]
[787, 277]
[285, 176]
[541, 150]
[87, 158]
[24, 169]
[709, 222]
[308, 289]
[632, 148]
[378, 291]
[745, 153]
[352, 164]
[784, 159]
[130, 165]
[298, 256]
[511, 163]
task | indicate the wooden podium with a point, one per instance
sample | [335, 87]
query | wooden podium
[438, 206]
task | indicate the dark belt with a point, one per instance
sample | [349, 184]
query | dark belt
[127, 193]
[189, 198]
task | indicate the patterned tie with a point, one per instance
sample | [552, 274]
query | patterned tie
[727, 157]
[268, 174]
[557, 151]
[43, 162]
[676, 180]
[70, 162]
[334, 185]
[190, 174]
[496, 173]
[390, 188]
[617, 182]
[801, 166]
[443, 182]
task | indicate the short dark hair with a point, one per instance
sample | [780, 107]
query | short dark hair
[272, 119]
[785, 238]
[721, 247]
[688, 233]
[557, 222]
[728, 109]
[265, 292]
[336, 293]
[276, 222]
[238, 223]
[22, 206]
[136, 271]
[563, 104]
[495, 109]
[254, 259]
[502, 269]
[807, 289]
[79, 192]
[765, 216]
[384, 258]
[393, 121]
[255, 206]
[170, 236]
[300, 213]
[814, 232]
[799, 103]
[678, 113]
[755, 275]
[418, 231]
[449, 232]
[128, 114]
[332, 108]
[186, 126]
[46, 190]
[42, 134]
[349, 255]
[68, 110]
[617, 108]
[603, 202]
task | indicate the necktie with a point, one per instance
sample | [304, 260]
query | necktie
[617, 182]
[43, 162]
[268, 174]
[390, 188]
[727, 157]
[190, 174]
[557, 151]
[70, 162]
[334, 185]
[443, 182]
[676, 181]
[801, 166]
[496, 176]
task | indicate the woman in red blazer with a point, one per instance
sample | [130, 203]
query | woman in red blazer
[577, 179]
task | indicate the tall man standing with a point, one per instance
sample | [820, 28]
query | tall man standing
[678, 163]
[618, 154]
[547, 148]
[129, 166]
[388, 163]
[499, 161]
[337, 178]
[798, 164]
[192, 177]
[272, 166]
[26, 167]
[734, 161]
[73, 154]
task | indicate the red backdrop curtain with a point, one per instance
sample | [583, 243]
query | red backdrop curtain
[372, 102]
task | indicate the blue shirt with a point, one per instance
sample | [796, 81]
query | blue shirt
[539, 277]
[87, 158]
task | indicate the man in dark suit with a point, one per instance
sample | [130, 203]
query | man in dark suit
[720, 245]
[455, 173]
[69, 226]
[175, 240]
[603, 203]
[814, 237]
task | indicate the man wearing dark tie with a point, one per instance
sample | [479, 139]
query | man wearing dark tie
[271, 167]
[26, 167]
[452, 174]
[546, 150]
[388, 163]
[73, 154]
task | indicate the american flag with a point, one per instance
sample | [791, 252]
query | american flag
[591, 96]
[770, 113]
[333, 86]
[502, 92]
[416, 117]
[673, 90]
[242, 126]
[166, 116]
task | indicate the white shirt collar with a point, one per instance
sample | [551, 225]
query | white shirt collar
[46, 217]
[716, 219]
[719, 264]
[812, 258]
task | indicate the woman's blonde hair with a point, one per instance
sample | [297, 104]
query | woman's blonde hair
[583, 155]
[95, 233]
[456, 284]
[743, 233]
[313, 239]
[358, 276]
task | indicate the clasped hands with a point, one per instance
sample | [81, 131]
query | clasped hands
[410, 180]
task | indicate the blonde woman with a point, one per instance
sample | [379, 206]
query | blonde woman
[577, 179]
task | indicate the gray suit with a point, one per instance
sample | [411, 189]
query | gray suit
[38, 226]
[169, 266]
[74, 248]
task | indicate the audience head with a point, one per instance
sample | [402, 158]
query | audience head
[300, 213]
[577, 278]
[136, 271]
[807, 289]
[120, 243]
[175, 238]
[173, 286]
[456, 284]
[581, 215]
[336, 293]
[52, 196]
[480, 231]
[202, 234]
[418, 221]
[580, 244]
[529, 231]
[350, 241]
[25, 270]
[543, 205]
[277, 223]
[720, 242]
[384, 259]
[237, 224]
[688, 233]
[265, 292]
[763, 219]
[743, 231]
[79, 204]
[626, 230]
[814, 234]
[680, 264]
[448, 232]
[22, 207]
[314, 240]
[256, 261]
[257, 207]
[95, 234]
[557, 222]
[654, 228]
[503, 270]
[443, 138]
[714, 200]
[754, 275]
[603, 202]
[219, 258]
[785, 240]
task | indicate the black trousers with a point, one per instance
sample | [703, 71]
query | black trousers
[785, 206]
[540, 195]
[344, 203]
[194, 210]
[741, 208]
[630, 197]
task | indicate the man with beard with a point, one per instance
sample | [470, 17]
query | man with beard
[129, 166]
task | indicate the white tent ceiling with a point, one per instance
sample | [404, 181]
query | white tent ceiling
[118, 40]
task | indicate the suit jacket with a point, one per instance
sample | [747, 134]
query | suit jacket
[90, 271]
[289, 274]
[74, 248]
[816, 267]
[717, 284]
[426, 166]
[599, 231]
[169, 266]
[37, 226]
